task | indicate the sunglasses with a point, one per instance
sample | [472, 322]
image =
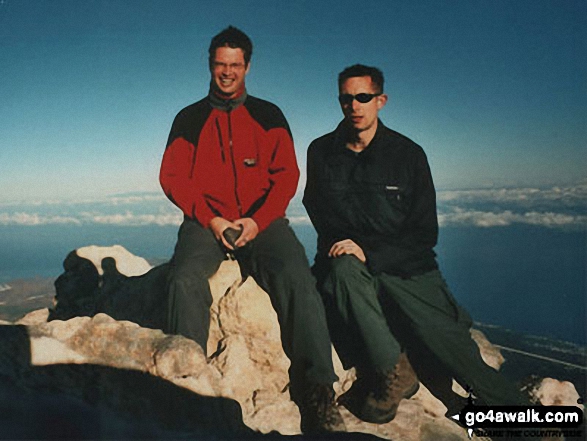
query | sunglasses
[363, 98]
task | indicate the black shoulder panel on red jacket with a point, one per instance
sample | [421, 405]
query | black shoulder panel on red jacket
[189, 122]
[267, 114]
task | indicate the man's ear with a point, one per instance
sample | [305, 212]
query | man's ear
[248, 68]
[381, 101]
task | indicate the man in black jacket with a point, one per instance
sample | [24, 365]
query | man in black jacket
[371, 198]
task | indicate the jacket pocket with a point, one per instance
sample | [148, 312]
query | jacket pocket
[384, 206]
[367, 207]
[396, 197]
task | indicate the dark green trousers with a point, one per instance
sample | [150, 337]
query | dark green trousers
[278, 263]
[372, 317]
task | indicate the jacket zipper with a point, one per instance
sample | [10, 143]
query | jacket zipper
[193, 162]
[238, 202]
[220, 139]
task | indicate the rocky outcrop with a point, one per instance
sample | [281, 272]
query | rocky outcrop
[124, 377]
[113, 281]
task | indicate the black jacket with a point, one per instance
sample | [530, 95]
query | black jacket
[382, 198]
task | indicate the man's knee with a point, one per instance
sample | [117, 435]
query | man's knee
[346, 267]
[290, 270]
[189, 284]
[186, 277]
[346, 275]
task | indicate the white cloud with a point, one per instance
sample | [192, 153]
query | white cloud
[299, 220]
[461, 217]
[131, 219]
[33, 219]
[136, 199]
[576, 193]
[85, 218]
[556, 207]
[114, 200]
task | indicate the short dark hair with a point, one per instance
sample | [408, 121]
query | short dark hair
[360, 70]
[234, 38]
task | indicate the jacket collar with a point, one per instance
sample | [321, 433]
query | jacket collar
[342, 134]
[226, 105]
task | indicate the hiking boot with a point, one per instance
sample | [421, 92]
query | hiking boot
[376, 400]
[357, 393]
[454, 404]
[319, 412]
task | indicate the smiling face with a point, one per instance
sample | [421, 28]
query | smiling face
[362, 117]
[228, 71]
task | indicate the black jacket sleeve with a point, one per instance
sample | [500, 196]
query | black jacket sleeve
[311, 192]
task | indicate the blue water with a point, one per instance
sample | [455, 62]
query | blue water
[528, 279]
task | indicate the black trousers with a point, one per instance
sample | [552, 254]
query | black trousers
[278, 263]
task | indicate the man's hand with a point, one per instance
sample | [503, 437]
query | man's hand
[218, 225]
[347, 246]
[250, 230]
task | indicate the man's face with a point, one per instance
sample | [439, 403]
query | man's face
[361, 116]
[229, 70]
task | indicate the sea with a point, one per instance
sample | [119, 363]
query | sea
[528, 279]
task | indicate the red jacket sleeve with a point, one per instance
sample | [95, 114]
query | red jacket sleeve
[177, 180]
[284, 175]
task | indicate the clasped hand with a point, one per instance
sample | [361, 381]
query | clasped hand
[249, 228]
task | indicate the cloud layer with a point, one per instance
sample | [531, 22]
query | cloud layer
[122, 210]
[556, 207]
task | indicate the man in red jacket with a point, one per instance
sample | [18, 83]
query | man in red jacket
[230, 165]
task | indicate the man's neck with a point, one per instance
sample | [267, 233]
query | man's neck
[358, 141]
[224, 97]
[224, 103]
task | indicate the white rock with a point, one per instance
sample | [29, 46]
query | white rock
[35, 317]
[47, 351]
[126, 262]
[553, 392]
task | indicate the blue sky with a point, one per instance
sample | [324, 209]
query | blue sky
[495, 91]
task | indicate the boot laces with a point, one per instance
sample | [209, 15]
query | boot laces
[323, 398]
[384, 383]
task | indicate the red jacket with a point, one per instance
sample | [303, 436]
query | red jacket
[230, 159]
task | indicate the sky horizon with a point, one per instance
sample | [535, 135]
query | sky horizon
[494, 91]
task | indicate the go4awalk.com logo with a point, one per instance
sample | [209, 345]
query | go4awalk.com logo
[522, 421]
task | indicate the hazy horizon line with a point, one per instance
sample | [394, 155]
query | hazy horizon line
[554, 207]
